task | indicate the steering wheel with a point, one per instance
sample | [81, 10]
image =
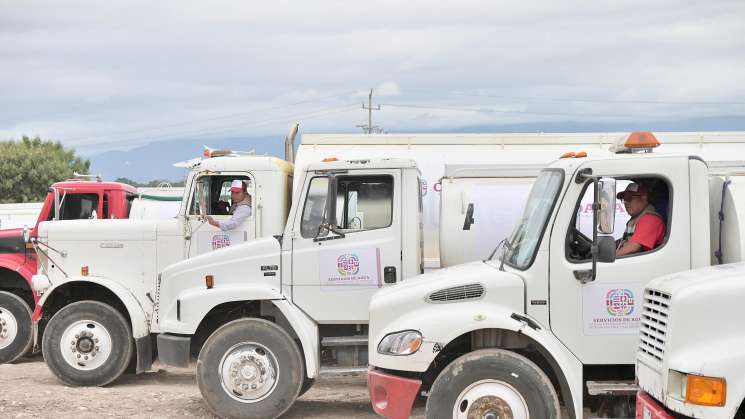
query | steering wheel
[579, 245]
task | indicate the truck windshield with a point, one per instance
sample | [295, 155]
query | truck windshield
[523, 243]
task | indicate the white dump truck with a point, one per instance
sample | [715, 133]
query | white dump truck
[483, 166]
[264, 316]
[690, 360]
[98, 280]
[548, 325]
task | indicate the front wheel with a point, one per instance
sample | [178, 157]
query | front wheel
[88, 343]
[250, 368]
[15, 327]
[492, 383]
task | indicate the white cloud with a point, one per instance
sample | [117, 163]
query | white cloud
[125, 72]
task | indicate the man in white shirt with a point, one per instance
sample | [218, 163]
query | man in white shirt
[240, 209]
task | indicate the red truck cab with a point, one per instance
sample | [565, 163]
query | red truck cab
[69, 200]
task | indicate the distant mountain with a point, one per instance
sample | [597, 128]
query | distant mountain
[155, 160]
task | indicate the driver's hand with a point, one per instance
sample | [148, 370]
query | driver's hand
[212, 221]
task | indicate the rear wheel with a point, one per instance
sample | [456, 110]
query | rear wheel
[250, 368]
[15, 327]
[88, 343]
[492, 383]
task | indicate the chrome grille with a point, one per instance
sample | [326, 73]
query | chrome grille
[653, 331]
[459, 293]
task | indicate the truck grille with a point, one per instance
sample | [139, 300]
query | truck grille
[653, 331]
[459, 293]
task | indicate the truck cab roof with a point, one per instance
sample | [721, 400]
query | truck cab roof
[363, 164]
[91, 184]
[240, 163]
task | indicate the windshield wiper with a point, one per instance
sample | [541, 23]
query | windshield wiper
[493, 252]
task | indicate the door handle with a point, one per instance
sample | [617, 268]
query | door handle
[584, 276]
[389, 274]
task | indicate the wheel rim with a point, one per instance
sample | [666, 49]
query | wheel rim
[490, 399]
[85, 345]
[249, 372]
[8, 328]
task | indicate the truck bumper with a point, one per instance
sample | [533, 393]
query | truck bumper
[174, 350]
[391, 396]
[649, 408]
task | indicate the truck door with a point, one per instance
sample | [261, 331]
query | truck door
[210, 195]
[334, 276]
[599, 320]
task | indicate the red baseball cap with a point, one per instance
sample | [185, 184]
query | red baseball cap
[634, 189]
[238, 186]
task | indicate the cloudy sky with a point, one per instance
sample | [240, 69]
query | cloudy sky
[109, 75]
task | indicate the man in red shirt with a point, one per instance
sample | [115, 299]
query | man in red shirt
[646, 229]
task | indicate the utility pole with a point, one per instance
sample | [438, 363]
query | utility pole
[370, 128]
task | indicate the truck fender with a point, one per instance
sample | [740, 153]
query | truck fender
[139, 321]
[193, 305]
[465, 318]
[17, 264]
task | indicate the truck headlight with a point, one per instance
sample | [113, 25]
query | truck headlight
[705, 391]
[405, 342]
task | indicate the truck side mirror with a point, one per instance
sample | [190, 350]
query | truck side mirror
[330, 219]
[606, 200]
[201, 198]
[606, 249]
[26, 234]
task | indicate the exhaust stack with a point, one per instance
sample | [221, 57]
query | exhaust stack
[290, 143]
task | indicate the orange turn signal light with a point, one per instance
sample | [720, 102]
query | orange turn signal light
[209, 280]
[329, 159]
[568, 154]
[580, 154]
[706, 391]
[84, 270]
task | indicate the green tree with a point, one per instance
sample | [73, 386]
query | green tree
[29, 166]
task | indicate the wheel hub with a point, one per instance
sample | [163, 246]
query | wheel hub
[88, 345]
[490, 399]
[490, 407]
[249, 372]
[8, 328]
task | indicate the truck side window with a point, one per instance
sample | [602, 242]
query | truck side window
[215, 198]
[579, 236]
[362, 203]
[78, 206]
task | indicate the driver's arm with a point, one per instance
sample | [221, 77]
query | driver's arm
[628, 248]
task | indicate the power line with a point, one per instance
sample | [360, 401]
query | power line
[585, 100]
[192, 122]
[515, 112]
[370, 128]
[227, 128]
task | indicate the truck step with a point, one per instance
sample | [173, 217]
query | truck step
[612, 388]
[359, 340]
[340, 371]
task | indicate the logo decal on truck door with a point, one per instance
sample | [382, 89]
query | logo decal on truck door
[350, 267]
[611, 309]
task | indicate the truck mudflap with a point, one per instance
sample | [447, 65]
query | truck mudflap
[649, 408]
[174, 350]
[391, 396]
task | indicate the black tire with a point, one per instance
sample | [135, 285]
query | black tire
[505, 367]
[113, 323]
[14, 309]
[276, 344]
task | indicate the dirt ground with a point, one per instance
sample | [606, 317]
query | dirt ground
[29, 390]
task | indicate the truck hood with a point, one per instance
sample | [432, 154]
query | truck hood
[88, 230]
[426, 292]
[709, 277]
[11, 240]
[702, 304]
[254, 261]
